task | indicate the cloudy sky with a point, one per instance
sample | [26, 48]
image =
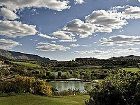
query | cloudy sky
[66, 29]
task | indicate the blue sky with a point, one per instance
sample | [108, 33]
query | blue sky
[67, 29]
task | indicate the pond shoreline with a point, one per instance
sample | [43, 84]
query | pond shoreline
[81, 80]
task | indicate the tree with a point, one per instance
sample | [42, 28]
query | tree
[59, 74]
[119, 89]
[24, 84]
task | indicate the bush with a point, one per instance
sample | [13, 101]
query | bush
[122, 88]
[23, 84]
[42, 88]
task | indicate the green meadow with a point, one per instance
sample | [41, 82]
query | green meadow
[28, 99]
[132, 69]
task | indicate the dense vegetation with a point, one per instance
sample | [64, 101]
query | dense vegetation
[122, 88]
[20, 84]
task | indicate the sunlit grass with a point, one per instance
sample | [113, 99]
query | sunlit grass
[132, 69]
[40, 100]
[27, 64]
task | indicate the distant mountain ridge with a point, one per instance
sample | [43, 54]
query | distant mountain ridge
[130, 57]
[20, 56]
[123, 60]
[130, 60]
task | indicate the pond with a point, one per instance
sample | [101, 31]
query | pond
[73, 85]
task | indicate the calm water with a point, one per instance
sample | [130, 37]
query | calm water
[65, 85]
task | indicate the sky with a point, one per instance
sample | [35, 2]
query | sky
[69, 29]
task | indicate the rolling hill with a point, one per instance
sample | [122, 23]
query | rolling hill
[20, 56]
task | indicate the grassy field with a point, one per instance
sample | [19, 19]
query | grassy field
[27, 64]
[40, 100]
[132, 69]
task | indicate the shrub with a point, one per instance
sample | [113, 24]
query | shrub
[120, 89]
[42, 88]
[24, 84]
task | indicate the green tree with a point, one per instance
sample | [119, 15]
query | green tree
[119, 89]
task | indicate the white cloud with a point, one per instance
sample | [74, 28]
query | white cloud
[79, 1]
[89, 52]
[8, 44]
[98, 21]
[80, 28]
[77, 45]
[51, 47]
[128, 12]
[102, 21]
[128, 51]
[73, 40]
[15, 28]
[8, 14]
[63, 35]
[106, 21]
[132, 12]
[121, 40]
[46, 36]
[58, 5]
[74, 45]
[104, 54]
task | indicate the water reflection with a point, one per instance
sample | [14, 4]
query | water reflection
[65, 85]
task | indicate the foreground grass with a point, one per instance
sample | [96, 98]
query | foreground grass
[132, 69]
[40, 100]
